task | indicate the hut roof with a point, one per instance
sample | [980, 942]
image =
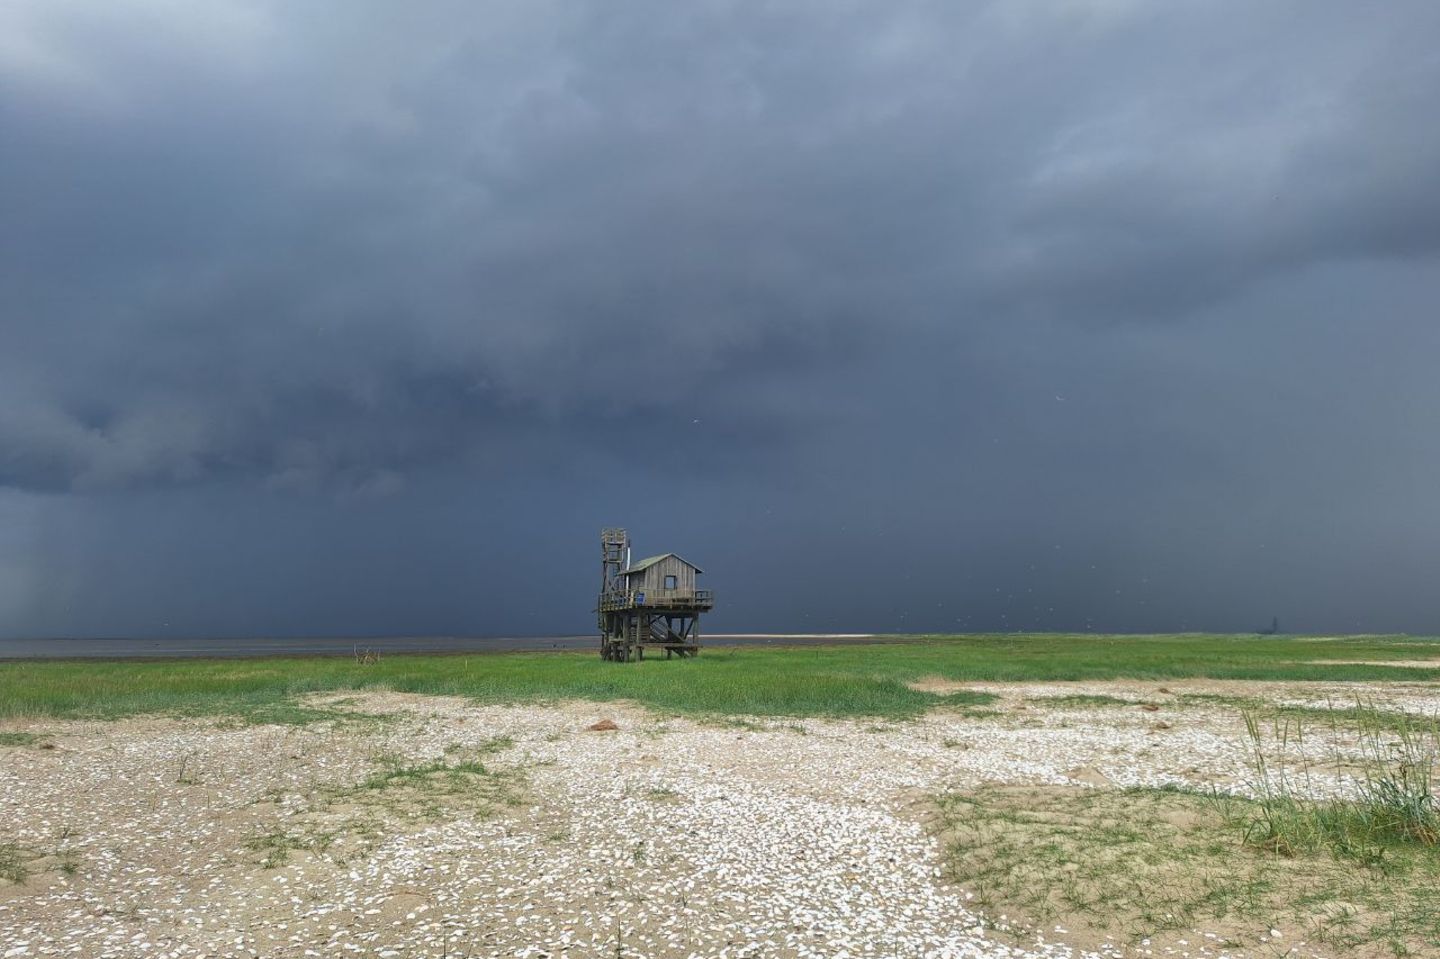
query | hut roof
[646, 563]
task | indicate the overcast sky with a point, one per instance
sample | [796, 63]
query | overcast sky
[364, 317]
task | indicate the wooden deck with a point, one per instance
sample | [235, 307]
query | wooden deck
[689, 600]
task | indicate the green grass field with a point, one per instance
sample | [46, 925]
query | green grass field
[841, 680]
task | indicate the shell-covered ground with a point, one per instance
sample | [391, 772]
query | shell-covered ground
[429, 827]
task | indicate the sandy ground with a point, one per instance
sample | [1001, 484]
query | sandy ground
[664, 838]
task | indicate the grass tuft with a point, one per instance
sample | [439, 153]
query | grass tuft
[275, 846]
[1394, 813]
[1083, 700]
[19, 739]
[12, 863]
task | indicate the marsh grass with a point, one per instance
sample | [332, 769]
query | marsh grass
[854, 679]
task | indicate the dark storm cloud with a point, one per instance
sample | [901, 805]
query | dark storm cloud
[958, 285]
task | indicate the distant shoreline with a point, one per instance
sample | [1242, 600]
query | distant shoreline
[20, 650]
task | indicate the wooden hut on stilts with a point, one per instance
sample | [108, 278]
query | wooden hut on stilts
[651, 604]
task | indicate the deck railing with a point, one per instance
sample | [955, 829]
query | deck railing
[621, 599]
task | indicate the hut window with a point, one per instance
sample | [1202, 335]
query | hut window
[670, 582]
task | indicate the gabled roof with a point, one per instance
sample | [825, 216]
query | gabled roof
[646, 563]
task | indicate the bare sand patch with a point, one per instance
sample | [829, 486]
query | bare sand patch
[1398, 663]
[938, 685]
[1399, 694]
[1336, 639]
